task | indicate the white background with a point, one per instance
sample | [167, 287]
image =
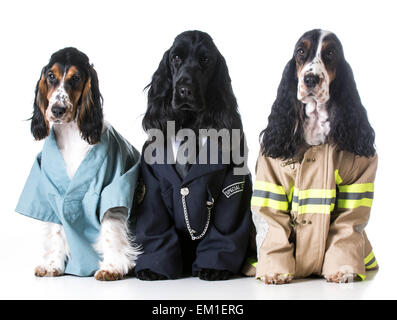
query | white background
[126, 40]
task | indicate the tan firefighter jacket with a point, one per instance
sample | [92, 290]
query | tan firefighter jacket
[310, 213]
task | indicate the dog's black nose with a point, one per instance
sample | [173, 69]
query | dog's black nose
[185, 92]
[58, 111]
[311, 80]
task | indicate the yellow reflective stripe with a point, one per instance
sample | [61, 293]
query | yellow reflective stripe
[317, 193]
[267, 201]
[369, 257]
[295, 204]
[338, 178]
[252, 261]
[267, 186]
[291, 194]
[315, 208]
[270, 203]
[325, 199]
[372, 265]
[361, 276]
[352, 204]
[358, 187]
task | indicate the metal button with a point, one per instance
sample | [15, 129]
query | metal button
[185, 191]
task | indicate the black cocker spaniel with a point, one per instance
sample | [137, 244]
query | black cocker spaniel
[192, 87]
[195, 218]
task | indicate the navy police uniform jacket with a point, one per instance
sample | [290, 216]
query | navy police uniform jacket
[209, 203]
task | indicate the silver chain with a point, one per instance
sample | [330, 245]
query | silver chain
[184, 193]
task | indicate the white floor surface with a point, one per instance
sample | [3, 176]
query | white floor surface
[17, 262]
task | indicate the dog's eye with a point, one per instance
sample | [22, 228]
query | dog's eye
[75, 78]
[301, 51]
[204, 60]
[177, 59]
[51, 77]
[331, 54]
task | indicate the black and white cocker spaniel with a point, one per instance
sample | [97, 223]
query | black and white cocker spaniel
[317, 101]
[317, 132]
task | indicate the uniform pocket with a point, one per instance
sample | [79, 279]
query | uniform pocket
[67, 210]
[213, 190]
[73, 208]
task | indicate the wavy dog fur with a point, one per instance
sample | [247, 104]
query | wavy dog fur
[350, 129]
[90, 117]
[220, 105]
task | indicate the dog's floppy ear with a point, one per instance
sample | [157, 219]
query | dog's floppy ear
[223, 110]
[159, 96]
[350, 128]
[90, 117]
[284, 130]
[39, 125]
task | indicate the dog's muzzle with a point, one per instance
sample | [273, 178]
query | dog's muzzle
[185, 97]
[59, 104]
[311, 80]
[58, 111]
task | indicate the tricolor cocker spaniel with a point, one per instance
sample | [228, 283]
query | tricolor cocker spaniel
[82, 183]
[314, 178]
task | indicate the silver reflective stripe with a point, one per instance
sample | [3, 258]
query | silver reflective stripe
[302, 202]
[269, 195]
[370, 262]
[355, 195]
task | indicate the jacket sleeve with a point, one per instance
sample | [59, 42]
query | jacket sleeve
[120, 191]
[33, 201]
[155, 230]
[347, 248]
[270, 210]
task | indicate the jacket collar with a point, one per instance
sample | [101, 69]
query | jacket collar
[54, 165]
[197, 170]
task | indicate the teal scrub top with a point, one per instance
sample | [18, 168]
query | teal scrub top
[105, 179]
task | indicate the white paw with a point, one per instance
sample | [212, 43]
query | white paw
[341, 277]
[277, 278]
[109, 274]
[48, 271]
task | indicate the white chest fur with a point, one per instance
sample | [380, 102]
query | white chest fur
[73, 148]
[316, 126]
